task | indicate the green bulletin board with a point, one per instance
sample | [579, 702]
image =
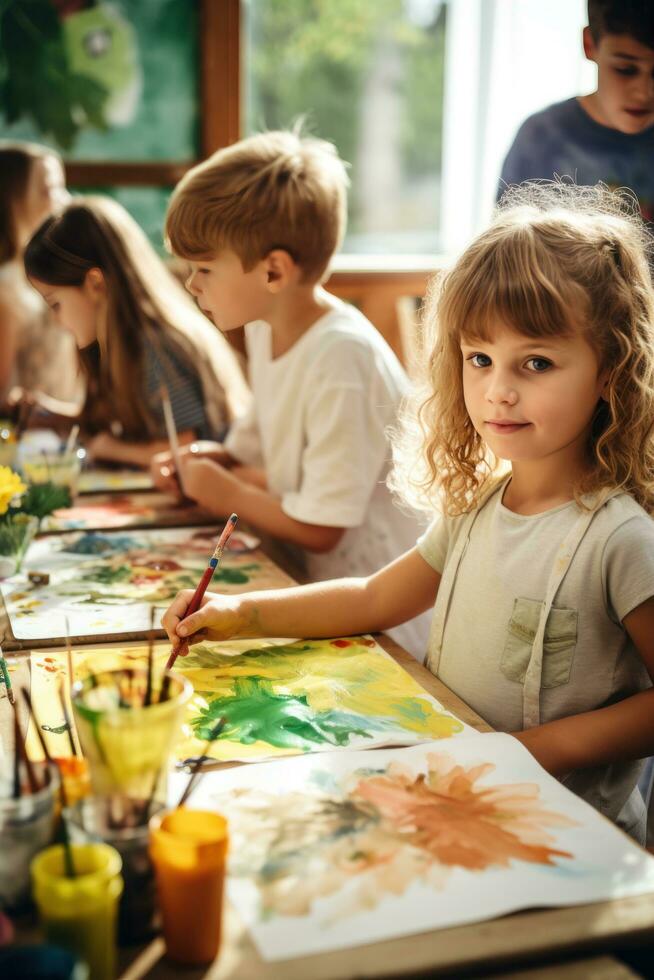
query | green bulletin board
[104, 81]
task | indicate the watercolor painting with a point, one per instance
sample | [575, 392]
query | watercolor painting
[350, 848]
[107, 583]
[103, 512]
[108, 481]
[277, 697]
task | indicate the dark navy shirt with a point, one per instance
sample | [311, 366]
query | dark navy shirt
[563, 140]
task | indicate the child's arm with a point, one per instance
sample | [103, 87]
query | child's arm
[396, 593]
[105, 446]
[616, 733]
[220, 491]
[162, 465]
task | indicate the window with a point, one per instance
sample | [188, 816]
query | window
[368, 77]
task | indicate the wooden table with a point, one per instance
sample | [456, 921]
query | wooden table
[525, 938]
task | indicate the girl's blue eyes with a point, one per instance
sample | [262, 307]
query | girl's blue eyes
[538, 364]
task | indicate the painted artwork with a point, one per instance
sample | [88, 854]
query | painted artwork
[107, 583]
[104, 512]
[277, 697]
[350, 848]
[114, 481]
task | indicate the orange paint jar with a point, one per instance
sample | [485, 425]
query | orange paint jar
[188, 850]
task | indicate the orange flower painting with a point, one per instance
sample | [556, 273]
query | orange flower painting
[353, 847]
[385, 830]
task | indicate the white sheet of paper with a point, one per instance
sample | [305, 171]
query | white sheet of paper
[399, 888]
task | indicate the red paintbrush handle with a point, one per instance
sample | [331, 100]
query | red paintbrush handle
[198, 595]
[193, 606]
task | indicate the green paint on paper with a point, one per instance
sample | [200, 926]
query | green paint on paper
[255, 713]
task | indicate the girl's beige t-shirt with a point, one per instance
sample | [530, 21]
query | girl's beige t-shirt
[589, 660]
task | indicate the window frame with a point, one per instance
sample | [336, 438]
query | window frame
[220, 110]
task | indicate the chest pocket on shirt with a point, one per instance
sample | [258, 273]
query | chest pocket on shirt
[558, 648]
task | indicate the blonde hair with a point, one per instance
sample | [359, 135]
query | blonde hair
[555, 256]
[273, 190]
[144, 300]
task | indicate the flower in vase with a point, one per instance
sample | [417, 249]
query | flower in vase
[11, 486]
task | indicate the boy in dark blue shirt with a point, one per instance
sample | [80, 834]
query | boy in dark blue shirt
[608, 135]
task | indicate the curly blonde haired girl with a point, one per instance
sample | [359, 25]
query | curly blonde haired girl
[558, 259]
[542, 580]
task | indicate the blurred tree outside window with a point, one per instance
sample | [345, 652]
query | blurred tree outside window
[368, 77]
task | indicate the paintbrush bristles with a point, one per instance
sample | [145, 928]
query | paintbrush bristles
[225, 536]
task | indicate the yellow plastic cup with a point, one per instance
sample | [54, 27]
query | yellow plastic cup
[188, 850]
[80, 913]
[128, 748]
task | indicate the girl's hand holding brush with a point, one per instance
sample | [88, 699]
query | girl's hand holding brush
[218, 618]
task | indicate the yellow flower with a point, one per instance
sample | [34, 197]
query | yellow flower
[11, 486]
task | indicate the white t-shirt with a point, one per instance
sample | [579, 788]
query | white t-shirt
[317, 425]
[589, 659]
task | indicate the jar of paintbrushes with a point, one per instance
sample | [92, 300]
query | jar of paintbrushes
[128, 726]
[28, 817]
[122, 822]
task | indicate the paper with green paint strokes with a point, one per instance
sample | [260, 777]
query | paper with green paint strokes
[278, 697]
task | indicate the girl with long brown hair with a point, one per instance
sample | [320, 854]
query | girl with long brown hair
[135, 329]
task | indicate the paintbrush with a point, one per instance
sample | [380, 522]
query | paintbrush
[194, 604]
[27, 762]
[48, 474]
[147, 698]
[68, 853]
[195, 769]
[67, 718]
[24, 414]
[71, 668]
[71, 440]
[171, 430]
[17, 738]
[145, 814]
[69, 655]
[46, 753]
[4, 670]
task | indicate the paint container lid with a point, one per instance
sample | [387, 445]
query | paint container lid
[41, 963]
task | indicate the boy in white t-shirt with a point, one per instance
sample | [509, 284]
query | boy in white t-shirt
[258, 223]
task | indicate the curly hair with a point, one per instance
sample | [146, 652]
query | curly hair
[555, 257]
